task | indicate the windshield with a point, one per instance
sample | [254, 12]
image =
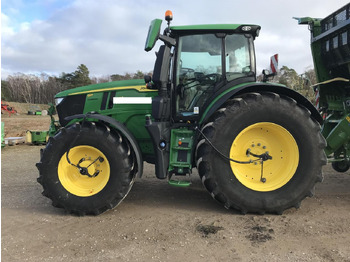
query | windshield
[201, 54]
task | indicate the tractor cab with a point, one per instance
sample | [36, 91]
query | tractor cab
[198, 62]
[206, 62]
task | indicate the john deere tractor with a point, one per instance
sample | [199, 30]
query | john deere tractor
[257, 146]
[330, 46]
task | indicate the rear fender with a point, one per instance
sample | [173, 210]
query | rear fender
[260, 87]
[112, 123]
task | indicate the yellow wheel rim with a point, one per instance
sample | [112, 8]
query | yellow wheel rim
[261, 138]
[76, 183]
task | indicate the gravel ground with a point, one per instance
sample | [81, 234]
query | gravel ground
[157, 222]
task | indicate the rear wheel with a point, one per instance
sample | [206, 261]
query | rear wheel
[95, 176]
[260, 138]
[261, 125]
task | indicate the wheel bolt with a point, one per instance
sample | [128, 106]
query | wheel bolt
[248, 151]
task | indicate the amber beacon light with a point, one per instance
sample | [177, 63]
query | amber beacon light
[168, 15]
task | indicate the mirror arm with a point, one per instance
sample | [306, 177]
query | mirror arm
[167, 40]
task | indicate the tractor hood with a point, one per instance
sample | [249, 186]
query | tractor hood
[138, 84]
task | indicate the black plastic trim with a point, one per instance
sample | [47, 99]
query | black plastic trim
[110, 101]
[160, 132]
[104, 101]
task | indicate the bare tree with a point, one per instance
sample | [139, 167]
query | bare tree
[41, 89]
[33, 89]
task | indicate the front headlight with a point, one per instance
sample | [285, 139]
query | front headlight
[58, 100]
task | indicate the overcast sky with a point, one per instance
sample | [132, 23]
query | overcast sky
[108, 36]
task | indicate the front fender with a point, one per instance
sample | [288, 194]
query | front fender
[118, 126]
[259, 87]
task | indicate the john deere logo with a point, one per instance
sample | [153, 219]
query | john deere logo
[246, 28]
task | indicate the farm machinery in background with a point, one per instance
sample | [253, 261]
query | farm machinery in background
[37, 137]
[257, 146]
[7, 108]
[330, 46]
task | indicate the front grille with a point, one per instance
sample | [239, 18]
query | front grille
[71, 105]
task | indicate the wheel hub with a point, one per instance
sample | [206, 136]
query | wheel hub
[88, 176]
[264, 140]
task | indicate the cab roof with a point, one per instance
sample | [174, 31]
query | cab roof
[227, 28]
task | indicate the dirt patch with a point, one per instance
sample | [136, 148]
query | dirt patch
[17, 125]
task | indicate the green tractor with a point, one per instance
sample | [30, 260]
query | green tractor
[257, 146]
[330, 46]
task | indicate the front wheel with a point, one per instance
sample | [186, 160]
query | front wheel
[279, 148]
[86, 169]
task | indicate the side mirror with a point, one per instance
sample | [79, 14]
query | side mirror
[148, 81]
[153, 34]
[266, 75]
[266, 72]
[147, 78]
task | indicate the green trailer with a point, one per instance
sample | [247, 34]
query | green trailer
[330, 46]
[257, 146]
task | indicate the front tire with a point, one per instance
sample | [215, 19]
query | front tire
[261, 123]
[106, 157]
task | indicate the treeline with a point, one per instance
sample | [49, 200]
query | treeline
[25, 88]
[302, 83]
[41, 89]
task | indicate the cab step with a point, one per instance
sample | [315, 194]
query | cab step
[179, 183]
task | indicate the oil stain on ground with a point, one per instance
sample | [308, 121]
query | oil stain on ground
[207, 230]
[260, 234]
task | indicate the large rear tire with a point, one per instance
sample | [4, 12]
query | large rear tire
[104, 153]
[261, 123]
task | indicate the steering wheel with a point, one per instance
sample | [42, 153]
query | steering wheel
[185, 70]
[213, 77]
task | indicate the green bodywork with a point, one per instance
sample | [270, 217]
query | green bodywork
[330, 47]
[131, 115]
[54, 126]
[227, 91]
[109, 86]
[181, 150]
